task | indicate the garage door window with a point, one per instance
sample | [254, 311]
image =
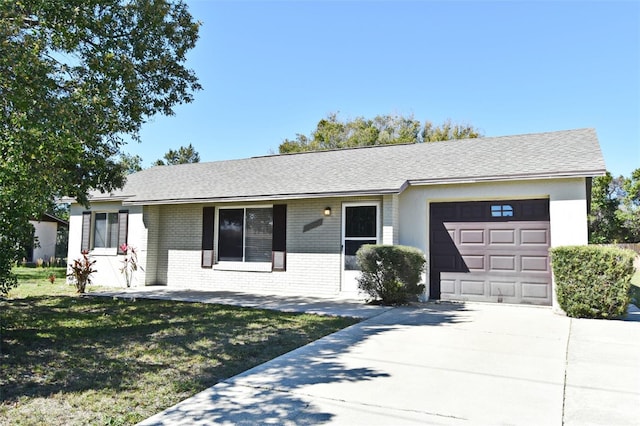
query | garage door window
[501, 210]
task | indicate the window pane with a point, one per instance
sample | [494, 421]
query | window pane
[230, 234]
[100, 231]
[505, 210]
[360, 221]
[350, 249]
[112, 222]
[105, 231]
[259, 230]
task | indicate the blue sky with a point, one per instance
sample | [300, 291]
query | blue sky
[271, 70]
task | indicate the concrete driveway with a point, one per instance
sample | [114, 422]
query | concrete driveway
[441, 364]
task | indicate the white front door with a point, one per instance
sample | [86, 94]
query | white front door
[360, 225]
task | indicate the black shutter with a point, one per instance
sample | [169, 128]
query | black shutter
[86, 232]
[123, 226]
[208, 218]
[279, 238]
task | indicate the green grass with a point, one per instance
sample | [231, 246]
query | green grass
[35, 282]
[69, 359]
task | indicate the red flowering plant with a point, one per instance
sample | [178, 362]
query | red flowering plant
[129, 263]
[81, 270]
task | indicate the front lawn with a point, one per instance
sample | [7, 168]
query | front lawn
[36, 282]
[96, 360]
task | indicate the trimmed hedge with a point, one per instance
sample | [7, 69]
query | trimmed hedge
[391, 274]
[592, 281]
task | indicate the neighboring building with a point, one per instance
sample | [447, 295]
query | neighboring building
[45, 238]
[485, 212]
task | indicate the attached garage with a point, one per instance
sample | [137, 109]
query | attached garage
[492, 251]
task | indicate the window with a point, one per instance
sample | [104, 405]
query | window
[105, 231]
[501, 210]
[245, 234]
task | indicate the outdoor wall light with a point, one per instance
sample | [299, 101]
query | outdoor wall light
[327, 211]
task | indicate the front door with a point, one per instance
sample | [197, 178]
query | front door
[360, 225]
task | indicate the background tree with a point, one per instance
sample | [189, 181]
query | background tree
[333, 133]
[448, 131]
[184, 155]
[615, 209]
[629, 210]
[130, 163]
[604, 226]
[76, 77]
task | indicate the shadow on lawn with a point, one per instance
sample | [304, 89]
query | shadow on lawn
[276, 392]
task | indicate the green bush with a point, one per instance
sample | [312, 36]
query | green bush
[391, 274]
[592, 281]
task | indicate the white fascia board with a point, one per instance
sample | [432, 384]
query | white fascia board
[254, 198]
[467, 180]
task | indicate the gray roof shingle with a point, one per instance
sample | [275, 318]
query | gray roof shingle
[369, 170]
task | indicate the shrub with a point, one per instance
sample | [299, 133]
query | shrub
[81, 270]
[391, 274]
[591, 281]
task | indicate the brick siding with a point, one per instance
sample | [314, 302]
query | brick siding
[168, 238]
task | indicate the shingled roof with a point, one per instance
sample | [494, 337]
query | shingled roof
[385, 169]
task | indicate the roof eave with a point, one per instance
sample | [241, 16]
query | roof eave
[98, 198]
[532, 176]
[257, 198]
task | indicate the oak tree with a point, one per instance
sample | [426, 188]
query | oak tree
[77, 77]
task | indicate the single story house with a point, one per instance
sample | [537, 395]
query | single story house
[45, 238]
[485, 212]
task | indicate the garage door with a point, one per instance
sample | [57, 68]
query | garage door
[490, 251]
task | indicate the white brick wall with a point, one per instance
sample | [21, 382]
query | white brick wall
[168, 239]
[390, 219]
[151, 221]
[108, 265]
[313, 256]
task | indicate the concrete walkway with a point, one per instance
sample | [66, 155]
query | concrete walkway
[314, 305]
[442, 364]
